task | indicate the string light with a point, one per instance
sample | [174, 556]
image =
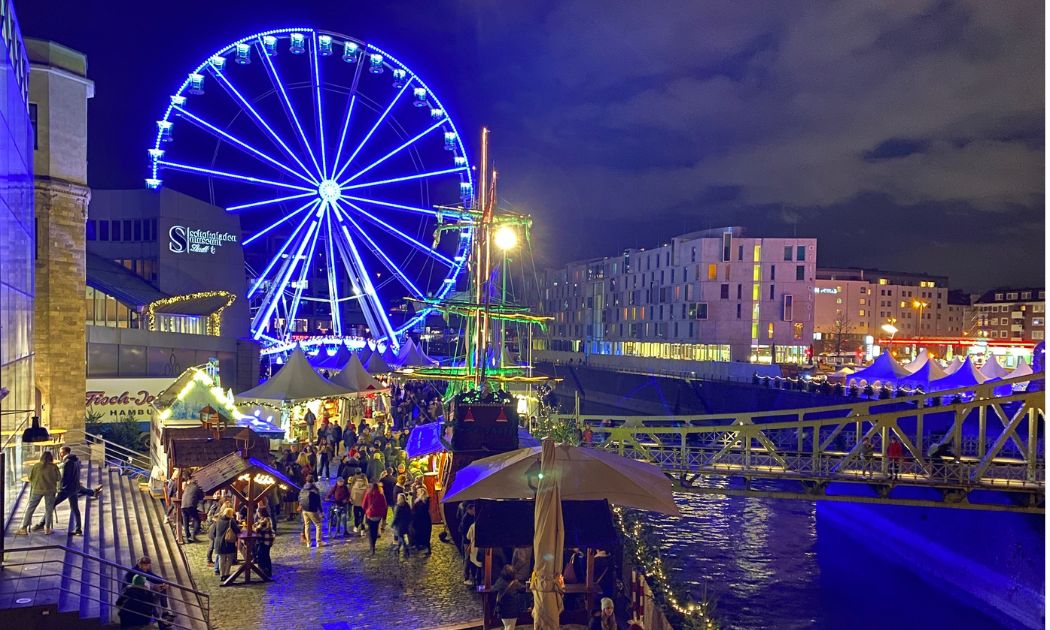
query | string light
[214, 326]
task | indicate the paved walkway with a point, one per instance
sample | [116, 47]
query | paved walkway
[341, 587]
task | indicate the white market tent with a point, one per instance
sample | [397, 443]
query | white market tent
[991, 368]
[1022, 369]
[412, 355]
[355, 378]
[295, 381]
[954, 366]
[966, 375]
[376, 364]
[884, 369]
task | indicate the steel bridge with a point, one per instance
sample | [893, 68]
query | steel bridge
[977, 447]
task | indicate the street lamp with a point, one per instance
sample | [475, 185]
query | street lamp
[889, 329]
[506, 238]
[919, 305]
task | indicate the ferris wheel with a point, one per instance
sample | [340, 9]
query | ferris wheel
[342, 164]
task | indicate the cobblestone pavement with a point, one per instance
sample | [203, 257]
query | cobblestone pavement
[341, 586]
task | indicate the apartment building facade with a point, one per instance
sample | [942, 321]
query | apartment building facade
[1014, 314]
[712, 295]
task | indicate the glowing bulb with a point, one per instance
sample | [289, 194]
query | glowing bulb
[506, 238]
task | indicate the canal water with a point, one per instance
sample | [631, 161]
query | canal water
[790, 565]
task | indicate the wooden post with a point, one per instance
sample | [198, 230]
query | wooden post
[589, 582]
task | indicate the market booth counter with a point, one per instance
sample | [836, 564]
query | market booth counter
[502, 526]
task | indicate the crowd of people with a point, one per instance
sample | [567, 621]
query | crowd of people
[415, 403]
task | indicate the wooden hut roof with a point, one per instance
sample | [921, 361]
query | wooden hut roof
[226, 470]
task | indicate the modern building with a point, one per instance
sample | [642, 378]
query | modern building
[59, 91]
[166, 287]
[853, 305]
[1014, 314]
[17, 276]
[712, 295]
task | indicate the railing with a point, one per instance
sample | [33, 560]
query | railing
[129, 461]
[191, 608]
[10, 471]
[852, 442]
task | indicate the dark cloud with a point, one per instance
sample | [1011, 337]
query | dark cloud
[902, 134]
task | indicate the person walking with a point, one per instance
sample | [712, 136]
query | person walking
[421, 521]
[357, 497]
[226, 532]
[70, 488]
[335, 437]
[896, 456]
[401, 525]
[264, 540]
[375, 508]
[376, 467]
[310, 503]
[867, 454]
[44, 478]
[509, 594]
[339, 495]
[191, 520]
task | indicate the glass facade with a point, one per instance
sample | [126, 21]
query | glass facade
[16, 225]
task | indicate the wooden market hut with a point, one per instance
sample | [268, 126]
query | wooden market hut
[502, 524]
[188, 448]
[248, 479]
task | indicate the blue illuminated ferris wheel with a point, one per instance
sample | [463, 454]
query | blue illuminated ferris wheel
[337, 157]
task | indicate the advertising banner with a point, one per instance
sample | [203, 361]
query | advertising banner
[116, 399]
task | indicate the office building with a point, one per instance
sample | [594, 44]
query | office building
[1014, 314]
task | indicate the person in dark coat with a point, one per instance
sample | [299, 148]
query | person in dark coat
[510, 596]
[421, 521]
[135, 604]
[226, 549]
[402, 525]
[389, 485]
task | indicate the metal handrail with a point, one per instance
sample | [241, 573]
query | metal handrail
[120, 448]
[202, 602]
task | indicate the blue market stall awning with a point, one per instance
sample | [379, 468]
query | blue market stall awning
[425, 439]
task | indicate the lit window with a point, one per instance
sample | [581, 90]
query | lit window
[712, 271]
[861, 313]
[883, 281]
[769, 330]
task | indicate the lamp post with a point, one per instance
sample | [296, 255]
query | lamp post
[919, 305]
[506, 239]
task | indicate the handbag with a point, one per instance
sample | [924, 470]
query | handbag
[230, 536]
[569, 574]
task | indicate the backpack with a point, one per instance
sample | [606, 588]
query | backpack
[309, 499]
[230, 536]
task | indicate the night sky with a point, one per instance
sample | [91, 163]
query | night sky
[903, 135]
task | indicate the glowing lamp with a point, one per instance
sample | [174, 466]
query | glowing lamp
[400, 76]
[324, 45]
[506, 238]
[350, 52]
[465, 191]
[297, 44]
[156, 154]
[459, 160]
[244, 54]
[375, 64]
[164, 127]
[437, 113]
[450, 140]
[269, 45]
[420, 95]
[196, 83]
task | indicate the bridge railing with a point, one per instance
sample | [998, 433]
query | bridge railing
[977, 440]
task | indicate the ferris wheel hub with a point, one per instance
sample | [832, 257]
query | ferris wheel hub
[330, 191]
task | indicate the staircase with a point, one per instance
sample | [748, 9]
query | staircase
[74, 581]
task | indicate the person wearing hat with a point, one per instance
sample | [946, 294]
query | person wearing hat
[605, 619]
[135, 604]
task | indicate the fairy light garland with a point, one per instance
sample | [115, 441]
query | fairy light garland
[214, 325]
[698, 616]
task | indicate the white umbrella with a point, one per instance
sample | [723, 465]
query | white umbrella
[582, 474]
[548, 545]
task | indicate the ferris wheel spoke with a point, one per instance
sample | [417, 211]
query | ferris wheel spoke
[342, 136]
[405, 145]
[205, 125]
[461, 215]
[230, 176]
[379, 253]
[378, 122]
[256, 117]
[300, 285]
[273, 298]
[316, 75]
[333, 281]
[267, 202]
[369, 298]
[286, 102]
[291, 239]
[260, 234]
[404, 237]
[406, 178]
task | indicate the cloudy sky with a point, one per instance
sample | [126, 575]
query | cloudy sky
[903, 135]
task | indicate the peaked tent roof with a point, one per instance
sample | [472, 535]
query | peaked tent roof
[927, 371]
[364, 354]
[883, 368]
[354, 377]
[954, 366]
[330, 362]
[412, 355]
[388, 355]
[992, 369]
[966, 375]
[920, 360]
[1022, 369]
[222, 472]
[376, 364]
[296, 380]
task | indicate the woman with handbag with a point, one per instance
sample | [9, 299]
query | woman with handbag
[509, 595]
[226, 531]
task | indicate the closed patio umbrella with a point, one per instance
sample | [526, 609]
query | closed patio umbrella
[546, 583]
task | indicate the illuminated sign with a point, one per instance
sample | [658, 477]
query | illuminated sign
[184, 240]
[114, 399]
[825, 290]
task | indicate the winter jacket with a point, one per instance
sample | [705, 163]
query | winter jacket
[335, 434]
[374, 505]
[340, 495]
[402, 518]
[221, 545]
[357, 491]
[509, 598]
[70, 473]
[44, 478]
[191, 495]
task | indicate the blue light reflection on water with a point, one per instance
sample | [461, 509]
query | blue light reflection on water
[768, 568]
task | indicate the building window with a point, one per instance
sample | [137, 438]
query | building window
[860, 313]
[701, 310]
[998, 297]
[727, 244]
[1037, 334]
[772, 289]
[769, 330]
[738, 311]
[772, 272]
[740, 252]
[883, 281]
[103, 230]
[32, 121]
[739, 291]
[800, 272]
[800, 253]
[89, 229]
[725, 291]
[788, 308]
[712, 271]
